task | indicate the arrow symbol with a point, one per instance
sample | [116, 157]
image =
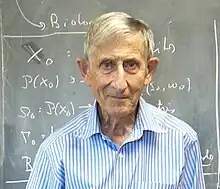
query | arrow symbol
[40, 25]
[86, 106]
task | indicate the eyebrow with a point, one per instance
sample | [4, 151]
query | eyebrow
[105, 59]
[128, 57]
[135, 59]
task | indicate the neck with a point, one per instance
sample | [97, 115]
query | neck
[116, 127]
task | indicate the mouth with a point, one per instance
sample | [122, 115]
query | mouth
[119, 97]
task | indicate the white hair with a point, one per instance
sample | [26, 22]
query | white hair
[115, 24]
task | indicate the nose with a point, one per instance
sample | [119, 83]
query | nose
[120, 83]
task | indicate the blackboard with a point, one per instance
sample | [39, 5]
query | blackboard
[41, 88]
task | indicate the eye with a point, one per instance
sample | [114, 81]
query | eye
[131, 65]
[107, 65]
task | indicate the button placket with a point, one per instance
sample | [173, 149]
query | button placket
[117, 169]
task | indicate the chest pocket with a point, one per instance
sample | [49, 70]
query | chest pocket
[154, 185]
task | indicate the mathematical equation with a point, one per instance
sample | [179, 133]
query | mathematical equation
[26, 136]
[153, 87]
[42, 81]
[52, 109]
[37, 54]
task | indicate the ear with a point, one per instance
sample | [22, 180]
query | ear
[151, 68]
[84, 67]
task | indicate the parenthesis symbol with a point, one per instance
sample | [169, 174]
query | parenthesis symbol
[147, 90]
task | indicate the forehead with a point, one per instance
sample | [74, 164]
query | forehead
[121, 47]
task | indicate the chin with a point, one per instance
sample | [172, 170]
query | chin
[120, 111]
[119, 107]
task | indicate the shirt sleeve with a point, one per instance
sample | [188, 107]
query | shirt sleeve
[193, 177]
[42, 175]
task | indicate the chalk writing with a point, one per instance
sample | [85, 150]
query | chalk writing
[52, 108]
[68, 54]
[85, 106]
[26, 112]
[72, 79]
[36, 53]
[39, 81]
[56, 33]
[26, 136]
[76, 20]
[28, 165]
[40, 25]
[59, 109]
[167, 109]
[207, 159]
[153, 87]
[48, 61]
[165, 46]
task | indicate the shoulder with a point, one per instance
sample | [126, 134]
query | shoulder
[173, 124]
[56, 142]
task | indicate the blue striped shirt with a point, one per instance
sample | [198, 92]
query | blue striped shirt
[162, 152]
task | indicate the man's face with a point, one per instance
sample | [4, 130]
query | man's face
[117, 74]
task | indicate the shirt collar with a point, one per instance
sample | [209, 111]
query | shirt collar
[144, 120]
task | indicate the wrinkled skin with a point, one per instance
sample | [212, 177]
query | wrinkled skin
[117, 74]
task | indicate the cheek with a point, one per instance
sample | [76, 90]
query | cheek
[136, 83]
[100, 81]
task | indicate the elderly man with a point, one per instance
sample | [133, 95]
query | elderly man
[122, 141]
